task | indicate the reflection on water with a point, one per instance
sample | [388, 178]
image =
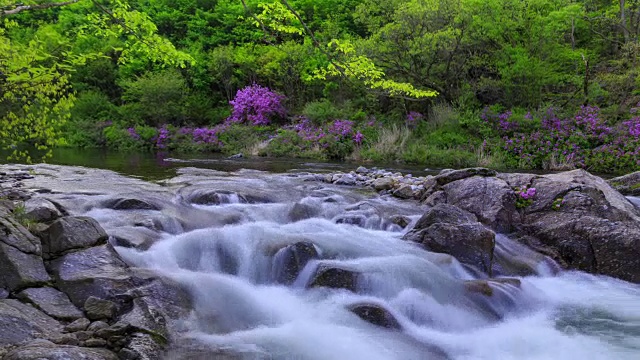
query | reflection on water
[161, 165]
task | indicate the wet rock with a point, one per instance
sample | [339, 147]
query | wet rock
[78, 325]
[346, 179]
[52, 302]
[20, 323]
[352, 219]
[450, 230]
[362, 170]
[301, 211]
[404, 192]
[41, 210]
[383, 183]
[236, 156]
[400, 220]
[485, 287]
[19, 269]
[71, 233]
[336, 278]
[129, 204]
[290, 260]
[136, 237]
[628, 185]
[59, 352]
[97, 309]
[145, 347]
[376, 315]
[494, 297]
[96, 271]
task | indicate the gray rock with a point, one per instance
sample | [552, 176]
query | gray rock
[628, 184]
[94, 342]
[333, 277]
[78, 325]
[72, 233]
[96, 271]
[19, 269]
[130, 204]
[59, 352]
[383, 183]
[346, 179]
[450, 230]
[301, 211]
[65, 339]
[41, 210]
[52, 302]
[97, 326]
[97, 308]
[12, 233]
[404, 192]
[118, 329]
[127, 354]
[446, 176]
[20, 323]
[376, 315]
[84, 335]
[362, 170]
[3, 294]
[136, 237]
[290, 260]
[400, 220]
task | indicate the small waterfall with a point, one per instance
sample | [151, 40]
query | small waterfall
[324, 274]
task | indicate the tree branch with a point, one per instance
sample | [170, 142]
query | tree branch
[15, 9]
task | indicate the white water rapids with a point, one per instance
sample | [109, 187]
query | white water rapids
[233, 269]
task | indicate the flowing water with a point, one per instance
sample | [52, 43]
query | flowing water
[234, 251]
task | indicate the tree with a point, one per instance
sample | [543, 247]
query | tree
[35, 95]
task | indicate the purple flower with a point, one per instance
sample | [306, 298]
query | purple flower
[133, 133]
[257, 105]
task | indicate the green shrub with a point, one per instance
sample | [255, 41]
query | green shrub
[287, 143]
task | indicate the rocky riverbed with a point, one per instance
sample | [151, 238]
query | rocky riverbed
[96, 265]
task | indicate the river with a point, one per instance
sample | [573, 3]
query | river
[231, 254]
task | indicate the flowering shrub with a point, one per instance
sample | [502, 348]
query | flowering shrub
[256, 105]
[524, 197]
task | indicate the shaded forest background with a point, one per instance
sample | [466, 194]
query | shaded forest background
[547, 84]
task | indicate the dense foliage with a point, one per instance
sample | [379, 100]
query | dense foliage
[544, 84]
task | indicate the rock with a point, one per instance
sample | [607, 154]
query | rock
[20, 323]
[96, 271]
[140, 238]
[383, 183]
[346, 179]
[301, 211]
[450, 230]
[494, 297]
[117, 329]
[129, 204]
[65, 339]
[438, 197]
[126, 354]
[446, 176]
[58, 352]
[485, 287]
[336, 278]
[83, 335]
[13, 234]
[94, 342]
[376, 315]
[628, 185]
[20, 270]
[97, 326]
[72, 233]
[208, 197]
[3, 294]
[236, 156]
[97, 309]
[290, 260]
[78, 325]
[52, 302]
[404, 192]
[400, 220]
[145, 347]
[362, 170]
[41, 210]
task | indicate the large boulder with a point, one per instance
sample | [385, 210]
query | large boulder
[42, 210]
[71, 233]
[336, 278]
[576, 218]
[451, 230]
[129, 204]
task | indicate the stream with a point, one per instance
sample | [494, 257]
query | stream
[248, 246]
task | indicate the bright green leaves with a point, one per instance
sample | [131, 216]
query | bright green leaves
[276, 17]
[347, 62]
